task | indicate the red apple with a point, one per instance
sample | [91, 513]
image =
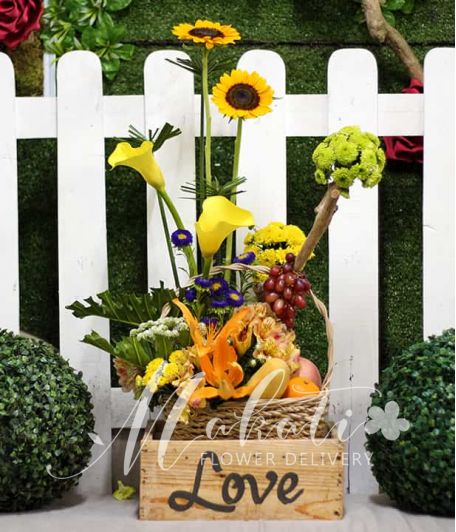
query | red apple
[308, 370]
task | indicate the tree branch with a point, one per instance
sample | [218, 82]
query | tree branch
[324, 213]
[383, 33]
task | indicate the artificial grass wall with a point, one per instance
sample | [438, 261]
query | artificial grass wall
[305, 33]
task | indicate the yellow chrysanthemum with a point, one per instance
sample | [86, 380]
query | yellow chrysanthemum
[272, 243]
[206, 32]
[243, 94]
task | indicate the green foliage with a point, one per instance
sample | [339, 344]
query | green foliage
[130, 309]
[45, 420]
[87, 25]
[417, 469]
[390, 8]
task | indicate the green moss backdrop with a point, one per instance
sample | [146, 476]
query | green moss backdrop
[305, 33]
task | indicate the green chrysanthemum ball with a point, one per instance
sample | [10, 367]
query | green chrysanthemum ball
[348, 155]
[416, 470]
[45, 420]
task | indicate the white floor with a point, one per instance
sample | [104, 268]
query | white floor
[363, 514]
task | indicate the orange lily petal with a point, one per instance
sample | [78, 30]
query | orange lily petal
[235, 373]
[192, 323]
[208, 392]
[242, 391]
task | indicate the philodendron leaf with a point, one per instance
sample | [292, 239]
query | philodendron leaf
[130, 308]
[135, 351]
[98, 341]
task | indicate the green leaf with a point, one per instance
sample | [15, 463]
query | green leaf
[123, 491]
[125, 51]
[393, 5]
[110, 65]
[98, 341]
[117, 5]
[389, 17]
[129, 308]
[408, 7]
[135, 351]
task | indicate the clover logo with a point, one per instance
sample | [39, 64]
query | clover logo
[387, 421]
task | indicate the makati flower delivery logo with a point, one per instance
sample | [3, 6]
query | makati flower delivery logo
[387, 421]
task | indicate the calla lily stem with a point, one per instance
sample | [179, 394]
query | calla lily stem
[207, 112]
[207, 266]
[172, 258]
[237, 151]
[179, 224]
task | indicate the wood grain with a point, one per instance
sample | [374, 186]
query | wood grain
[317, 466]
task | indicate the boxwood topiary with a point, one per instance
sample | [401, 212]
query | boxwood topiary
[45, 419]
[417, 469]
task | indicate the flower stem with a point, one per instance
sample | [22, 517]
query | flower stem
[201, 183]
[207, 113]
[237, 151]
[207, 266]
[178, 221]
[172, 258]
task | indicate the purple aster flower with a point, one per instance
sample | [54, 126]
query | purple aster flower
[234, 298]
[245, 258]
[203, 282]
[190, 295]
[218, 286]
[219, 303]
[209, 321]
[181, 238]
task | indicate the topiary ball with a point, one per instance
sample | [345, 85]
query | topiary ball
[45, 420]
[416, 470]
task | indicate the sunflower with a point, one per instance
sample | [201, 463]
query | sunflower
[206, 32]
[243, 94]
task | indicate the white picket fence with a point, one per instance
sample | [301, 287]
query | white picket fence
[81, 118]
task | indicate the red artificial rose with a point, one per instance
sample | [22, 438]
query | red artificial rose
[407, 149]
[18, 18]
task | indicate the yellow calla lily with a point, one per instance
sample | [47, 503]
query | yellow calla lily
[140, 159]
[219, 218]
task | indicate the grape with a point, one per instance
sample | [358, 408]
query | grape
[290, 279]
[269, 284]
[278, 307]
[288, 294]
[270, 297]
[299, 301]
[275, 271]
[285, 290]
[279, 285]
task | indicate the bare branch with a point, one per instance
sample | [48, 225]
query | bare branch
[384, 33]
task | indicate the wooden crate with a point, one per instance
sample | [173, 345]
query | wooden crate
[258, 479]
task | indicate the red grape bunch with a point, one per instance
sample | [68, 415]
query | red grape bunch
[285, 290]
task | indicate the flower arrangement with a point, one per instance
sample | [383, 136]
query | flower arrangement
[227, 332]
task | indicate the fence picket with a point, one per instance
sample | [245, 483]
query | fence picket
[353, 263]
[263, 150]
[9, 233]
[438, 192]
[82, 237]
[169, 100]
[81, 117]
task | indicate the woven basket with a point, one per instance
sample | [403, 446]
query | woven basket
[270, 418]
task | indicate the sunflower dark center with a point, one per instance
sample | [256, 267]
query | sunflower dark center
[243, 96]
[206, 32]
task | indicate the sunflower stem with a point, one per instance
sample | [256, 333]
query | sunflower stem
[172, 258]
[178, 221]
[230, 239]
[207, 113]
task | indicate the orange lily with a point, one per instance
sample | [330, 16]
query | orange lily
[217, 357]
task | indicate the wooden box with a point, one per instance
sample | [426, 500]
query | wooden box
[255, 479]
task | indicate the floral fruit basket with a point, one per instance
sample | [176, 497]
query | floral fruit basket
[217, 352]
